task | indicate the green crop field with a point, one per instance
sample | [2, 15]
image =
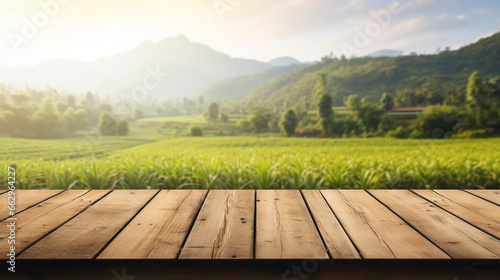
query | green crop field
[60, 149]
[251, 162]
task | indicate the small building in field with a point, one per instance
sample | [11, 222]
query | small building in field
[408, 111]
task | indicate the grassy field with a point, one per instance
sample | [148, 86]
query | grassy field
[250, 162]
[70, 148]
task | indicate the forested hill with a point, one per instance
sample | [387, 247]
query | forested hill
[368, 76]
[238, 88]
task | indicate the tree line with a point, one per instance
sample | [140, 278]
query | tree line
[472, 110]
[46, 114]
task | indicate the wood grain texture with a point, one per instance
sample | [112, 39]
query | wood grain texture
[25, 199]
[490, 195]
[86, 234]
[456, 237]
[476, 211]
[338, 243]
[169, 241]
[224, 228]
[284, 227]
[145, 232]
[375, 230]
[38, 221]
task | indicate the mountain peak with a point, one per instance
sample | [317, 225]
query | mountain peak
[179, 39]
[284, 61]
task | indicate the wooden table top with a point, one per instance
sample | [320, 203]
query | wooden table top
[255, 225]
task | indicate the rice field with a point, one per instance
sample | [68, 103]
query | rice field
[261, 163]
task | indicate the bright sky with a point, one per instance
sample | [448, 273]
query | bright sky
[260, 29]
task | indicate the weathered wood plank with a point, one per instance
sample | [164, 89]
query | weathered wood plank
[284, 227]
[477, 211]
[375, 230]
[38, 221]
[170, 239]
[147, 230]
[86, 234]
[476, 204]
[490, 195]
[224, 228]
[457, 238]
[26, 199]
[338, 243]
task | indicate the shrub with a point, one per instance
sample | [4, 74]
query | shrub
[196, 131]
[474, 133]
[122, 128]
[416, 135]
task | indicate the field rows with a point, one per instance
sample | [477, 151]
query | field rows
[62, 149]
[277, 163]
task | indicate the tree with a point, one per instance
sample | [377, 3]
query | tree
[386, 102]
[4, 104]
[20, 98]
[81, 119]
[406, 98]
[321, 85]
[386, 123]
[325, 106]
[22, 118]
[89, 97]
[371, 115]
[46, 119]
[69, 118]
[7, 122]
[107, 124]
[476, 93]
[353, 102]
[138, 113]
[106, 107]
[61, 106]
[245, 125]
[71, 100]
[74, 121]
[213, 112]
[325, 113]
[438, 120]
[224, 118]
[196, 131]
[259, 118]
[122, 128]
[289, 122]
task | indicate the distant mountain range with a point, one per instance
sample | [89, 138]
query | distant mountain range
[176, 68]
[387, 53]
[172, 68]
[387, 71]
